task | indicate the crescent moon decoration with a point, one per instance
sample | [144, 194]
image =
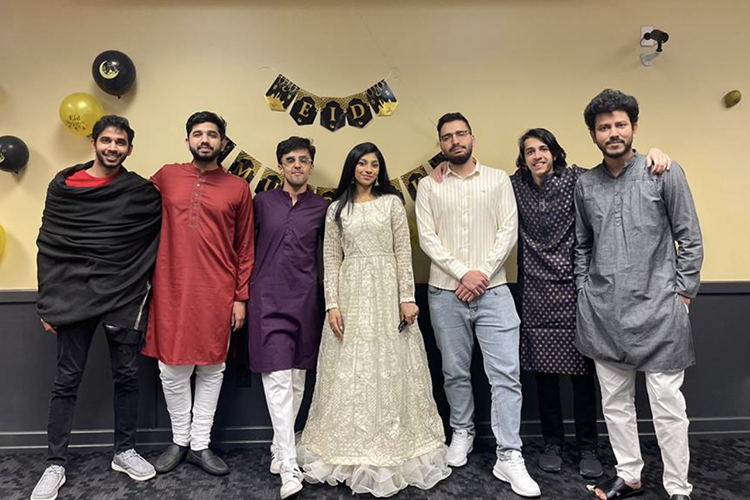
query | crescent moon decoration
[108, 70]
[2, 158]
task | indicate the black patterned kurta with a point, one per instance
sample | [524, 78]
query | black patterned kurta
[545, 272]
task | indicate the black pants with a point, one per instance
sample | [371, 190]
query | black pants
[73, 342]
[584, 409]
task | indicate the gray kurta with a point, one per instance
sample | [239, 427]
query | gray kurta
[629, 274]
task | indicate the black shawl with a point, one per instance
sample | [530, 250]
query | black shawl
[97, 248]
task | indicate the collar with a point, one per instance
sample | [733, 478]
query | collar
[450, 171]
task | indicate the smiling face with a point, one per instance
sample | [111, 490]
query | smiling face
[538, 157]
[296, 166]
[205, 142]
[111, 148]
[613, 133]
[366, 171]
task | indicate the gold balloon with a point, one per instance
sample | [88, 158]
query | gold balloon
[2, 240]
[79, 112]
[732, 98]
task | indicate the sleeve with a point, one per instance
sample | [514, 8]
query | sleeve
[584, 240]
[686, 230]
[157, 180]
[402, 250]
[333, 256]
[506, 214]
[244, 244]
[428, 237]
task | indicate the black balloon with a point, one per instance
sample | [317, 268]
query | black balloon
[114, 72]
[14, 154]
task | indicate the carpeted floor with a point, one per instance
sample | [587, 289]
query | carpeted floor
[720, 470]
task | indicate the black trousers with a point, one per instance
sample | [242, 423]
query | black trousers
[73, 342]
[584, 409]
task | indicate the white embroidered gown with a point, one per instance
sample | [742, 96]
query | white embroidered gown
[373, 423]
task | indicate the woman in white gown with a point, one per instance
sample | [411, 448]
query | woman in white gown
[373, 423]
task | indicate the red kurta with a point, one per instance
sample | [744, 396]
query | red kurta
[205, 259]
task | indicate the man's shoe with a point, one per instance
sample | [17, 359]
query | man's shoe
[513, 471]
[462, 443]
[49, 484]
[134, 465]
[590, 466]
[173, 456]
[551, 458]
[208, 461]
[275, 467]
[291, 478]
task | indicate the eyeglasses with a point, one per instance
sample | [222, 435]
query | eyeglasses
[460, 134]
[291, 160]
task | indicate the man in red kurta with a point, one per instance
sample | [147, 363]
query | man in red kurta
[204, 263]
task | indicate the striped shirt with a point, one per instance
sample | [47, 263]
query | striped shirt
[467, 224]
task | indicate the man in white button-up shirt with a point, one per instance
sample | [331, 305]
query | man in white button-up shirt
[468, 226]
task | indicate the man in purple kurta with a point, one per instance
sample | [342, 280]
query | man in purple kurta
[284, 321]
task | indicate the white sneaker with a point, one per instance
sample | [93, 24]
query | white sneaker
[50, 482]
[134, 465]
[275, 467]
[513, 471]
[462, 443]
[291, 478]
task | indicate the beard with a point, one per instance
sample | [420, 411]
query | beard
[205, 157]
[628, 146]
[459, 158]
[103, 161]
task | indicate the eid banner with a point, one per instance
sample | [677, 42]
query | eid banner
[244, 166]
[334, 112]
[270, 179]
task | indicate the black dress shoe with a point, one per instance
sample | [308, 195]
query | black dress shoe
[173, 456]
[551, 458]
[590, 466]
[208, 461]
[679, 497]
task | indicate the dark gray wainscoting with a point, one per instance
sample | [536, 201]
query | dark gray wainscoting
[717, 389]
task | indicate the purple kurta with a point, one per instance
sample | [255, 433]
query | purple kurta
[283, 316]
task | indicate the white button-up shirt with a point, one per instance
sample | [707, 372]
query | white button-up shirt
[467, 224]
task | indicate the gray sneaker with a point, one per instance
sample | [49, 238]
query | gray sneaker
[134, 465]
[50, 482]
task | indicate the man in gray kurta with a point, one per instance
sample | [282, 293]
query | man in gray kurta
[634, 291]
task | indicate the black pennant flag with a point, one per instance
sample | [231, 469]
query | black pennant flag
[303, 110]
[358, 114]
[281, 94]
[382, 99]
[332, 116]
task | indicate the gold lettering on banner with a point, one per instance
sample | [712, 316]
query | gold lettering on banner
[304, 110]
[358, 111]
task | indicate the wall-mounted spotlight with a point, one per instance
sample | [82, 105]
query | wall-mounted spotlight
[659, 36]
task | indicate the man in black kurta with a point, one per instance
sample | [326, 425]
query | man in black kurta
[97, 247]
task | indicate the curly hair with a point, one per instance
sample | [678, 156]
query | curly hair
[609, 101]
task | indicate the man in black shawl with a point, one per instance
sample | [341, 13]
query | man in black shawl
[97, 247]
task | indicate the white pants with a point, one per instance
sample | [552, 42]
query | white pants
[191, 421]
[284, 390]
[670, 423]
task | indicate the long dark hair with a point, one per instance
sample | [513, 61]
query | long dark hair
[346, 192]
[548, 138]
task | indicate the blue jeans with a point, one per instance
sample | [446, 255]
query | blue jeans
[493, 319]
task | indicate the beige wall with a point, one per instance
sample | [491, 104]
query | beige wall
[508, 65]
